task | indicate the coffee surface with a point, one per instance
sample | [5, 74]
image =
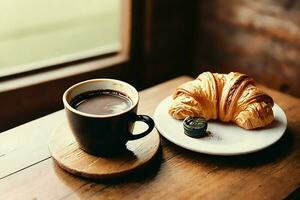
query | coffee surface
[101, 102]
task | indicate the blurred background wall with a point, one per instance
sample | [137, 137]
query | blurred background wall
[257, 37]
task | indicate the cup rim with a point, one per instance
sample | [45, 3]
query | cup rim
[69, 107]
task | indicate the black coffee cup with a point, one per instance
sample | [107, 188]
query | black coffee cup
[104, 134]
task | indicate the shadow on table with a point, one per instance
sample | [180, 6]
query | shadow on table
[143, 174]
[274, 153]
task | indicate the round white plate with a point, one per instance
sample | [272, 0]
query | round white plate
[225, 138]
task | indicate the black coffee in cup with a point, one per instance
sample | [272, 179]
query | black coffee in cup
[101, 102]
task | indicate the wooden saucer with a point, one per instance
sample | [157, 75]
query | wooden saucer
[67, 154]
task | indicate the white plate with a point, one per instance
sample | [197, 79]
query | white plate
[225, 138]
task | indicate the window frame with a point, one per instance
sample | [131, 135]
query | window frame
[77, 62]
[19, 89]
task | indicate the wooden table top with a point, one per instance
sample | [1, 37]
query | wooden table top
[27, 170]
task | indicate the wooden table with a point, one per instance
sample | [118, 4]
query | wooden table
[28, 172]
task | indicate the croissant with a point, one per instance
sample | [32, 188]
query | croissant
[229, 97]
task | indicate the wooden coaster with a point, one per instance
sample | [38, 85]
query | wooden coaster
[67, 154]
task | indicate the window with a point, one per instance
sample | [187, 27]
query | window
[40, 33]
[48, 45]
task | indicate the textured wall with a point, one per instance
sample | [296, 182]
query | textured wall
[257, 37]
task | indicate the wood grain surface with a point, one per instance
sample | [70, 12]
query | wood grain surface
[66, 152]
[28, 172]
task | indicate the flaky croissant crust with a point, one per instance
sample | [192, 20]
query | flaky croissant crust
[226, 97]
